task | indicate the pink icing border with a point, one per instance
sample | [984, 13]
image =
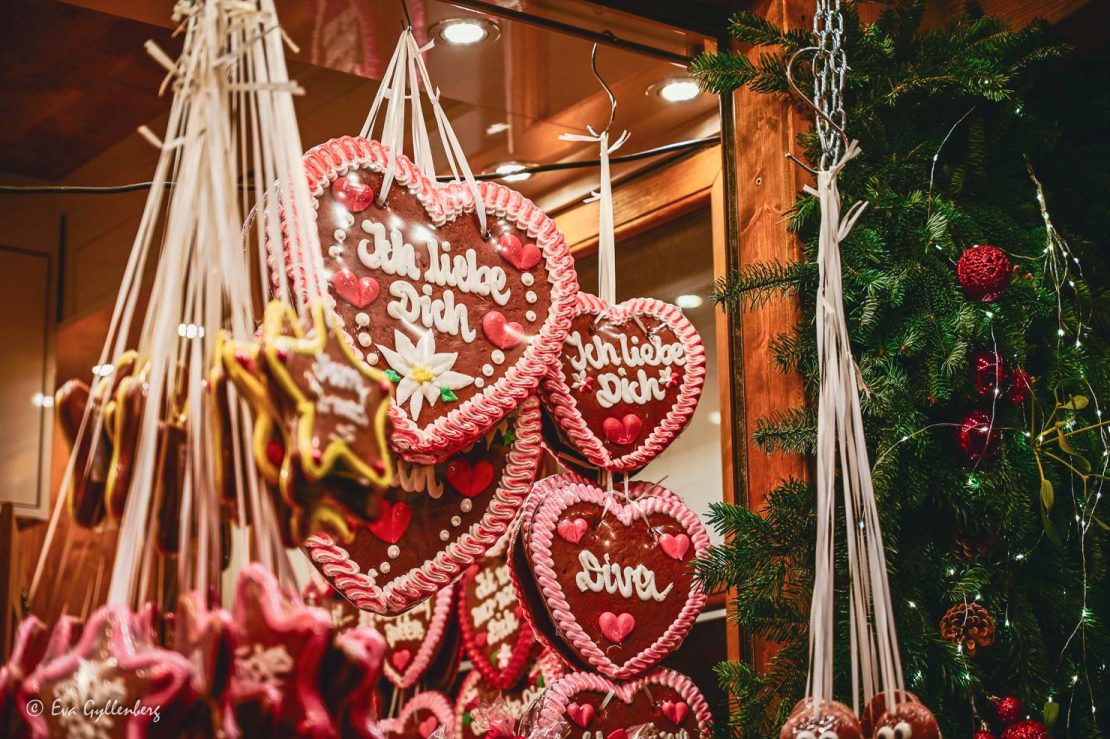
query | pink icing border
[400, 593]
[168, 669]
[561, 401]
[559, 695]
[435, 702]
[433, 640]
[467, 422]
[557, 499]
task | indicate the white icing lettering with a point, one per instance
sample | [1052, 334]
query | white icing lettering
[611, 578]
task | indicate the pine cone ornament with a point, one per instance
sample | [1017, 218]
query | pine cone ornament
[1020, 387]
[968, 624]
[1029, 729]
[1009, 709]
[977, 437]
[990, 374]
[984, 272]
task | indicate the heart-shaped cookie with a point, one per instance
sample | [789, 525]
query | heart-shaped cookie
[430, 531]
[496, 636]
[664, 702]
[466, 322]
[414, 638]
[420, 717]
[482, 709]
[618, 598]
[627, 381]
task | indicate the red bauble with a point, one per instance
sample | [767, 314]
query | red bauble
[1028, 729]
[977, 438]
[990, 373]
[984, 272]
[984, 734]
[1020, 387]
[1009, 709]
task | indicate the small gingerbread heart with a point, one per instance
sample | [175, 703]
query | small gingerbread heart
[414, 638]
[420, 717]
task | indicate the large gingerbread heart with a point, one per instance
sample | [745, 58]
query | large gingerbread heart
[627, 381]
[414, 638]
[437, 522]
[420, 717]
[616, 578]
[663, 703]
[466, 323]
[484, 710]
[496, 636]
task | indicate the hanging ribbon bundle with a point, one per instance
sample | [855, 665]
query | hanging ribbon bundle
[841, 450]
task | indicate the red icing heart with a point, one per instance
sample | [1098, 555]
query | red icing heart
[522, 256]
[491, 624]
[356, 196]
[453, 280]
[615, 627]
[501, 332]
[613, 601]
[572, 531]
[423, 558]
[358, 291]
[675, 545]
[626, 384]
[419, 717]
[622, 431]
[400, 659]
[428, 725]
[395, 519]
[581, 714]
[676, 711]
[468, 479]
[664, 701]
[415, 639]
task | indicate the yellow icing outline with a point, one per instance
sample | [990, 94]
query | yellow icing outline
[254, 388]
[337, 450]
[114, 416]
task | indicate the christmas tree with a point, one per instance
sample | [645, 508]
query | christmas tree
[986, 371]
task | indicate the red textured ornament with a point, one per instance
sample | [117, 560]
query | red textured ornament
[1020, 387]
[990, 373]
[1029, 729]
[977, 438]
[984, 734]
[1009, 709]
[984, 272]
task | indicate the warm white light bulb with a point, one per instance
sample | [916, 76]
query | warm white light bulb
[679, 90]
[512, 172]
[688, 301]
[463, 32]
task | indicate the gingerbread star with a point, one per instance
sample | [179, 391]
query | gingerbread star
[243, 364]
[342, 403]
[205, 636]
[28, 648]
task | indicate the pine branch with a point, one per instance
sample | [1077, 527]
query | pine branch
[757, 284]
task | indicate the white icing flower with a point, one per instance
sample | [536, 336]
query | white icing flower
[424, 373]
[579, 380]
[665, 376]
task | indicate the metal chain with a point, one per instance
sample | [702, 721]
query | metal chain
[829, 65]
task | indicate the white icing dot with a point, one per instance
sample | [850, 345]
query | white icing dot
[372, 573]
[364, 339]
[530, 297]
[385, 567]
[427, 289]
[444, 535]
[487, 370]
[622, 371]
[347, 219]
[372, 358]
[362, 319]
[527, 279]
[445, 246]
[456, 520]
[393, 551]
[635, 339]
[479, 382]
[340, 234]
[466, 505]
[335, 251]
[530, 316]
[497, 356]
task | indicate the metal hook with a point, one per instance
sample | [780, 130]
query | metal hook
[805, 98]
[609, 92]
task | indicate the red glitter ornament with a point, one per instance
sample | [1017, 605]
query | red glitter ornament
[990, 373]
[984, 734]
[1020, 387]
[1009, 709]
[984, 272]
[1029, 729]
[977, 437]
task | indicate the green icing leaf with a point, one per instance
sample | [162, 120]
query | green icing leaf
[447, 395]
[393, 376]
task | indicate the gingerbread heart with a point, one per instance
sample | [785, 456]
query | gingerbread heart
[414, 638]
[627, 381]
[495, 635]
[482, 709]
[421, 717]
[618, 599]
[435, 523]
[466, 322]
[663, 703]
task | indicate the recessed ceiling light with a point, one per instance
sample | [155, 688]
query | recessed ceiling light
[676, 89]
[511, 171]
[190, 331]
[465, 31]
[715, 418]
[688, 301]
[103, 370]
[42, 400]
[495, 128]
